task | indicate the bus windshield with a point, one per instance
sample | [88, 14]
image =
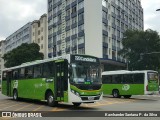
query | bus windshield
[152, 77]
[85, 73]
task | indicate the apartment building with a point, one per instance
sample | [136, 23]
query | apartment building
[39, 34]
[93, 27]
[22, 35]
[2, 42]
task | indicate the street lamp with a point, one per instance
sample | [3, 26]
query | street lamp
[158, 10]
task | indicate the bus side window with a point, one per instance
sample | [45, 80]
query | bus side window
[15, 74]
[139, 78]
[48, 69]
[37, 71]
[22, 73]
[119, 79]
[128, 79]
[29, 72]
[106, 79]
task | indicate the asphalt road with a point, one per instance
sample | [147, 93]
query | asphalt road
[136, 103]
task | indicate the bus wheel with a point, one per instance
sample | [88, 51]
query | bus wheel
[115, 94]
[51, 100]
[76, 104]
[127, 96]
[15, 95]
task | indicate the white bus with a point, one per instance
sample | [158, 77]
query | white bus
[127, 83]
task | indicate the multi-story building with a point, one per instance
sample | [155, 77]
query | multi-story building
[2, 42]
[22, 35]
[39, 34]
[93, 27]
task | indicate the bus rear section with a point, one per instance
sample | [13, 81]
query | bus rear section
[151, 83]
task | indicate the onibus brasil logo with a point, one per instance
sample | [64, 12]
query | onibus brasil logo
[125, 87]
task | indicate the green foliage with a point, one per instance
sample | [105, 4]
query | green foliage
[141, 49]
[21, 54]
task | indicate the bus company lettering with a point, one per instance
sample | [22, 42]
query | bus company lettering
[80, 58]
[125, 87]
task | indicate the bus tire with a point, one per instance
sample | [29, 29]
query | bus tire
[127, 96]
[76, 104]
[15, 95]
[51, 99]
[115, 94]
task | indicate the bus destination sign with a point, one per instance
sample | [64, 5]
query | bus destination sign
[85, 59]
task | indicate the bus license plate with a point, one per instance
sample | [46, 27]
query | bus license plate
[90, 98]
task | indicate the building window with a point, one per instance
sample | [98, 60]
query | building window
[68, 23]
[59, 17]
[74, 9]
[41, 46]
[81, 51]
[74, 31]
[105, 26]
[113, 9]
[68, 2]
[80, 5]
[68, 44]
[81, 17]
[104, 14]
[74, 42]
[38, 32]
[80, 28]
[68, 12]
[105, 39]
[41, 37]
[113, 42]
[105, 51]
[74, 20]
[80, 40]
[68, 33]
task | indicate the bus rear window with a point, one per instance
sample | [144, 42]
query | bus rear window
[152, 76]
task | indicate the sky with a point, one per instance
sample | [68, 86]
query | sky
[16, 13]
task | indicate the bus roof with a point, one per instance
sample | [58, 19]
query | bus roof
[67, 56]
[116, 72]
[37, 62]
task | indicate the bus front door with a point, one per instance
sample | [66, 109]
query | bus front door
[8, 78]
[61, 79]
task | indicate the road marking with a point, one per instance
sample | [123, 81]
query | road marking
[54, 109]
[11, 106]
[58, 109]
[6, 103]
[24, 107]
[38, 108]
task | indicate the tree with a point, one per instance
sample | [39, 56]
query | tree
[21, 54]
[141, 48]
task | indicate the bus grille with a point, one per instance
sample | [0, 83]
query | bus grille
[87, 98]
[89, 87]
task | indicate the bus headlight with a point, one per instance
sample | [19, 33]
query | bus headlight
[77, 94]
[74, 92]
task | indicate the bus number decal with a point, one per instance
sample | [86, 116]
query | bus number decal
[15, 85]
[125, 87]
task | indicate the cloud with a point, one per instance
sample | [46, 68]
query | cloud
[151, 16]
[16, 13]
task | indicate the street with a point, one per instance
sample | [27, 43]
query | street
[135, 103]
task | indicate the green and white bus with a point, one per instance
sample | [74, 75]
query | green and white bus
[70, 78]
[127, 83]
